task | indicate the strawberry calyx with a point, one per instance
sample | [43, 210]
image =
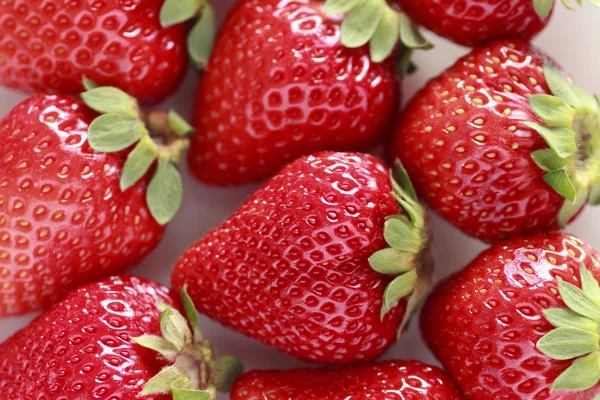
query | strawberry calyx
[571, 129]
[202, 36]
[193, 372]
[543, 7]
[408, 258]
[122, 125]
[377, 23]
[576, 336]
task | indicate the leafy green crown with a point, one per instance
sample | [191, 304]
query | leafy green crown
[194, 374]
[122, 125]
[576, 336]
[408, 258]
[571, 129]
[202, 36]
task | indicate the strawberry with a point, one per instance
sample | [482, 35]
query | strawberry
[280, 85]
[70, 214]
[493, 324]
[48, 46]
[476, 22]
[466, 22]
[502, 143]
[121, 338]
[303, 264]
[387, 380]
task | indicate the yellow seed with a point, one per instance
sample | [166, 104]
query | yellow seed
[531, 257]
[470, 88]
[571, 252]
[478, 121]
[533, 81]
[460, 111]
[452, 99]
[512, 57]
[428, 129]
[515, 145]
[551, 247]
[528, 270]
[491, 155]
[508, 88]
[451, 128]
[446, 165]
[506, 112]
[480, 138]
[460, 149]
[512, 128]
[497, 98]
[489, 70]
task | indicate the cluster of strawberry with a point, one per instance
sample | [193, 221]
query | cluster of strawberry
[331, 257]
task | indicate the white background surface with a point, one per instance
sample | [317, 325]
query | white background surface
[571, 39]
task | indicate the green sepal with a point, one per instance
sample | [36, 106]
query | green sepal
[560, 181]
[589, 285]
[190, 394]
[583, 374]
[165, 191]
[548, 160]
[115, 132]
[552, 110]
[385, 37]
[174, 12]
[360, 24]
[158, 344]
[89, 84]
[594, 197]
[565, 318]
[179, 125]
[400, 233]
[403, 181]
[339, 6]
[578, 301]
[543, 7]
[191, 314]
[398, 288]
[390, 261]
[173, 330]
[561, 140]
[567, 343]
[109, 100]
[413, 303]
[139, 161]
[560, 85]
[227, 370]
[166, 380]
[202, 37]
[410, 35]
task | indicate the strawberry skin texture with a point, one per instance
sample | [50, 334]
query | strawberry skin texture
[463, 143]
[387, 380]
[281, 85]
[64, 220]
[82, 348]
[290, 267]
[476, 22]
[484, 322]
[48, 46]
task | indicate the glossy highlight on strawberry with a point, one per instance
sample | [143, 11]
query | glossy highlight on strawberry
[486, 323]
[389, 380]
[291, 267]
[48, 46]
[64, 220]
[280, 85]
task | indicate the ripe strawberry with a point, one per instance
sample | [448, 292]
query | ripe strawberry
[101, 341]
[280, 85]
[48, 46]
[303, 264]
[476, 22]
[491, 324]
[70, 214]
[410, 380]
[476, 143]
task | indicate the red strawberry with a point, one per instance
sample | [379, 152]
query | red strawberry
[387, 380]
[491, 324]
[476, 143]
[70, 214]
[296, 265]
[92, 345]
[280, 85]
[48, 46]
[476, 22]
